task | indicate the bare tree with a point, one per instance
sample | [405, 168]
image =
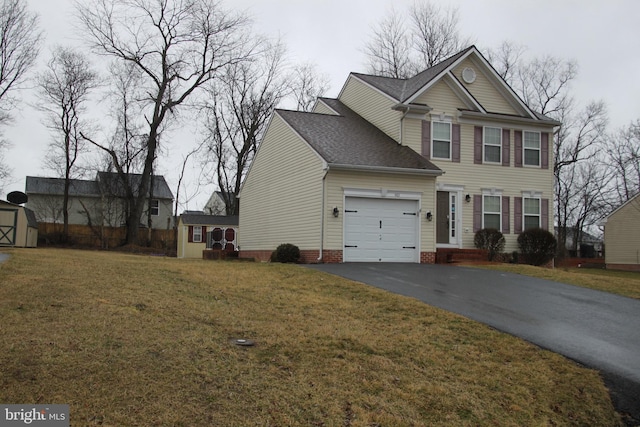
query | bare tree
[20, 41]
[401, 46]
[623, 157]
[389, 49]
[506, 59]
[65, 87]
[240, 105]
[307, 85]
[178, 46]
[435, 32]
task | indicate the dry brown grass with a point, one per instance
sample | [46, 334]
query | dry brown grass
[625, 283]
[139, 340]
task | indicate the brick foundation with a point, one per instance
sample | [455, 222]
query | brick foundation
[427, 257]
[624, 267]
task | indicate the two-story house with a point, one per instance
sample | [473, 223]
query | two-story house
[100, 201]
[394, 169]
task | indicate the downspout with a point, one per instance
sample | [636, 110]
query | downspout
[324, 184]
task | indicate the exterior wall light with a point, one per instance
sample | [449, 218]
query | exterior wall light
[429, 216]
[467, 198]
[336, 212]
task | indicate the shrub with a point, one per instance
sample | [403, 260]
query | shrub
[286, 252]
[491, 240]
[537, 246]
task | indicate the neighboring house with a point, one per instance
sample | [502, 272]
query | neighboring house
[198, 232]
[215, 205]
[622, 237]
[588, 245]
[98, 202]
[18, 226]
[394, 169]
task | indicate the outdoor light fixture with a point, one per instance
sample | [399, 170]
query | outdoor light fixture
[467, 198]
[336, 212]
[429, 216]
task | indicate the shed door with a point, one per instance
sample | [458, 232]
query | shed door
[8, 223]
[381, 230]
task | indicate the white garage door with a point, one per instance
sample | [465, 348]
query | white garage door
[380, 230]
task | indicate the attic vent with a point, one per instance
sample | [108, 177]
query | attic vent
[469, 75]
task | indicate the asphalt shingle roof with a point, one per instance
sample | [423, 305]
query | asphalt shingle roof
[202, 219]
[348, 139]
[55, 186]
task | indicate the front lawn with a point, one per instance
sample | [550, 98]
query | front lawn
[140, 340]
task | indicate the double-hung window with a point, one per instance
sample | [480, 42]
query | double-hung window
[531, 148]
[155, 207]
[492, 212]
[441, 137]
[492, 143]
[197, 233]
[531, 212]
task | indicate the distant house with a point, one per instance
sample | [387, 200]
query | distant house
[588, 245]
[622, 237]
[18, 226]
[198, 232]
[98, 202]
[394, 170]
[216, 204]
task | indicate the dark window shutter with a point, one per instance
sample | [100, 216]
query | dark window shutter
[505, 215]
[190, 234]
[204, 234]
[506, 147]
[544, 214]
[426, 139]
[477, 145]
[544, 150]
[517, 215]
[517, 147]
[477, 212]
[455, 143]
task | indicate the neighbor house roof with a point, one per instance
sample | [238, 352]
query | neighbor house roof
[201, 219]
[111, 182]
[347, 139]
[55, 186]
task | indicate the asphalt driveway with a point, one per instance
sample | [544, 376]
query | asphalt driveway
[597, 329]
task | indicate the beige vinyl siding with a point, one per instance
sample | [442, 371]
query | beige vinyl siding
[484, 90]
[622, 235]
[441, 99]
[281, 200]
[339, 180]
[322, 108]
[372, 105]
[511, 180]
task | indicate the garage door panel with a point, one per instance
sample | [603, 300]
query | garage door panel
[380, 230]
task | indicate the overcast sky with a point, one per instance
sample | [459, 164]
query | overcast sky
[602, 36]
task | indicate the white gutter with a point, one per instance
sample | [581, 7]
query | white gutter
[324, 184]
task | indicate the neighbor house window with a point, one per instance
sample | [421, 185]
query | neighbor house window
[197, 233]
[531, 212]
[155, 207]
[531, 148]
[492, 212]
[441, 137]
[492, 142]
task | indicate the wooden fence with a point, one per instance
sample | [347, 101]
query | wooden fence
[104, 237]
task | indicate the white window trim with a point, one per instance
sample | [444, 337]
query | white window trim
[495, 193]
[524, 164]
[433, 140]
[199, 234]
[151, 207]
[524, 214]
[499, 145]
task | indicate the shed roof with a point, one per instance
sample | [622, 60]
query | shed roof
[201, 219]
[348, 139]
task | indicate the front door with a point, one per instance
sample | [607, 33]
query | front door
[446, 218]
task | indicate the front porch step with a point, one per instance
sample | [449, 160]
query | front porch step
[452, 255]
